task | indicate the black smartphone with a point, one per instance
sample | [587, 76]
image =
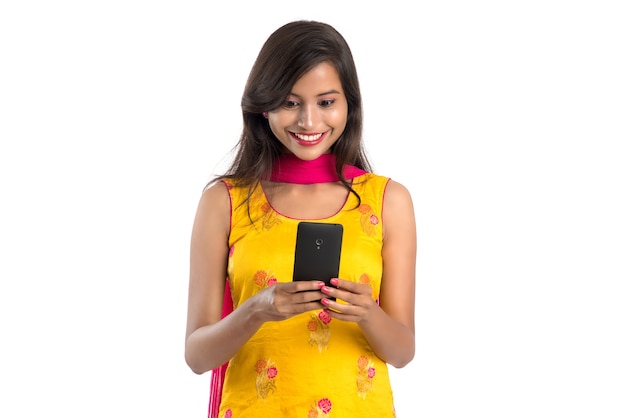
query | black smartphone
[318, 251]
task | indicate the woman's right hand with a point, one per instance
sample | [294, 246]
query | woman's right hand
[284, 300]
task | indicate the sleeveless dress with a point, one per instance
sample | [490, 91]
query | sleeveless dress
[310, 365]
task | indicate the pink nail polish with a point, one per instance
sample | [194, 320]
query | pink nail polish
[334, 282]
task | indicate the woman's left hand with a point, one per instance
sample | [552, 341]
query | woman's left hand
[356, 303]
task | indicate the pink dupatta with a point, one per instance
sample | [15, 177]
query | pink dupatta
[217, 375]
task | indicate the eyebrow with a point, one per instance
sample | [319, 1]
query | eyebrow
[319, 95]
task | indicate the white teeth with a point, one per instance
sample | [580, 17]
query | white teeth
[308, 137]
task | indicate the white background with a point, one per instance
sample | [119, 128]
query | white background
[506, 121]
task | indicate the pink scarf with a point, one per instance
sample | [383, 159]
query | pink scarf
[291, 169]
[217, 375]
[288, 169]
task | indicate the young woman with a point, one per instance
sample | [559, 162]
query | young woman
[279, 347]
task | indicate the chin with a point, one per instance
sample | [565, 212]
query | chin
[310, 155]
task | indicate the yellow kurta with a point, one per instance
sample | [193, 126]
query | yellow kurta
[310, 365]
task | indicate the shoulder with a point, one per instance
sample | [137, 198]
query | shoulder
[216, 194]
[370, 182]
[214, 207]
[393, 193]
[397, 193]
[398, 210]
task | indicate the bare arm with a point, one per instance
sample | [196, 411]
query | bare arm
[210, 340]
[390, 327]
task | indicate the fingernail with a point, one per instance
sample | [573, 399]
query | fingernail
[325, 301]
[334, 281]
[325, 289]
[320, 284]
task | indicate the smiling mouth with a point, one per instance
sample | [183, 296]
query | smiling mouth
[308, 138]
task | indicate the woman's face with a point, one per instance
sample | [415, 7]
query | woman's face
[314, 114]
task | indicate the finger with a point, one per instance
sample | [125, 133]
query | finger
[290, 310]
[345, 284]
[352, 287]
[334, 293]
[308, 296]
[302, 286]
[295, 303]
[337, 282]
[343, 316]
[342, 311]
[334, 305]
[290, 297]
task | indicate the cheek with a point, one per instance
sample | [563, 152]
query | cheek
[338, 119]
[272, 125]
[279, 121]
[275, 125]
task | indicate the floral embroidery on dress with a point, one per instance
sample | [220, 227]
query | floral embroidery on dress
[265, 378]
[365, 279]
[369, 219]
[365, 375]
[320, 409]
[228, 413]
[269, 216]
[264, 278]
[319, 331]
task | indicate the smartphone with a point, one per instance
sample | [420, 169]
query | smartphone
[318, 251]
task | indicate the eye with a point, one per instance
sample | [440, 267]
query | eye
[290, 104]
[326, 102]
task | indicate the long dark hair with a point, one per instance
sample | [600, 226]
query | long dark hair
[290, 52]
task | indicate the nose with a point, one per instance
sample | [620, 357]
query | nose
[307, 116]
